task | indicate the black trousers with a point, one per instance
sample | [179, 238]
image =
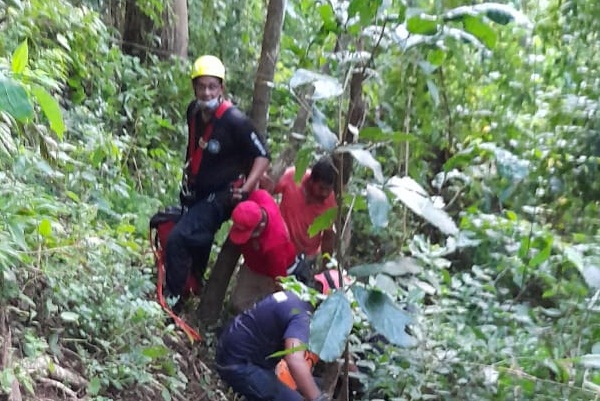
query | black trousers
[190, 242]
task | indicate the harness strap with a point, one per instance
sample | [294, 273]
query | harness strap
[195, 149]
[189, 331]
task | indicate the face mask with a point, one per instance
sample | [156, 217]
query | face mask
[209, 105]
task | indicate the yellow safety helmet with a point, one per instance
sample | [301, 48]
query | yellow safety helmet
[208, 65]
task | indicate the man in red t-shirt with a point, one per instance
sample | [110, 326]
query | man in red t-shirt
[266, 246]
[302, 202]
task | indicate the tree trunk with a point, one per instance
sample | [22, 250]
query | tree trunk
[175, 33]
[216, 288]
[266, 67]
[137, 29]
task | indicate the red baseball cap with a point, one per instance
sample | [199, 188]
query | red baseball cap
[246, 217]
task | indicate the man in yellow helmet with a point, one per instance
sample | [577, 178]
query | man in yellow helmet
[225, 159]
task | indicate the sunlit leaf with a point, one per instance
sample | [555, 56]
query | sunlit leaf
[398, 267]
[325, 85]
[51, 110]
[155, 352]
[325, 138]
[322, 222]
[330, 327]
[328, 17]
[590, 361]
[411, 194]
[45, 228]
[379, 206]
[14, 100]
[364, 158]
[384, 315]
[20, 58]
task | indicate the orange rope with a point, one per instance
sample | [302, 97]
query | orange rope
[189, 331]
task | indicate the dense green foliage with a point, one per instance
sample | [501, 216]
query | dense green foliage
[492, 113]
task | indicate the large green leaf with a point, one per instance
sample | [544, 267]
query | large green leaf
[481, 31]
[499, 13]
[51, 110]
[384, 315]
[330, 327]
[379, 206]
[411, 194]
[366, 9]
[328, 17]
[324, 136]
[14, 99]
[303, 158]
[325, 86]
[398, 267]
[322, 222]
[364, 158]
[20, 58]
[422, 24]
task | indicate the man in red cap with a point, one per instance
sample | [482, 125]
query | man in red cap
[266, 246]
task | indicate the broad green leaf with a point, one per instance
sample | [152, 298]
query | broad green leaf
[325, 86]
[384, 315]
[302, 162]
[499, 13]
[481, 31]
[399, 267]
[45, 228]
[330, 327]
[364, 158]
[323, 135]
[328, 17]
[322, 222]
[375, 134]
[423, 24]
[379, 206]
[166, 394]
[20, 58]
[94, 386]
[386, 284]
[69, 316]
[366, 10]
[542, 255]
[51, 110]
[14, 100]
[413, 196]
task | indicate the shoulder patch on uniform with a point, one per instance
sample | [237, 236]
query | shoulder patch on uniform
[280, 297]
